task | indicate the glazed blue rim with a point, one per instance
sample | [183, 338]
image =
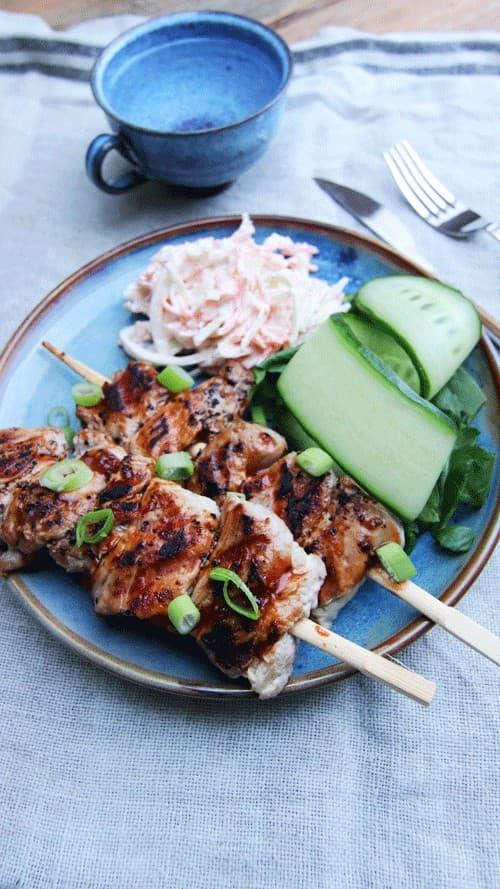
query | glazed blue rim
[326, 675]
[151, 25]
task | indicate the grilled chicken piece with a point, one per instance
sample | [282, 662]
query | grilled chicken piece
[24, 454]
[158, 556]
[36, 517]
[347, 537]
[89, 438]
[124, 489]
[133, 395]
[298, 498]
[258, 546]
[196, 414]
[333, 518]
[27, 452]
[124, 484]
[230, 457]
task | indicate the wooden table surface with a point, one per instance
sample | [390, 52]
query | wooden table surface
[293, 20]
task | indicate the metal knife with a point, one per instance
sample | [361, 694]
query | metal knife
[375, 217]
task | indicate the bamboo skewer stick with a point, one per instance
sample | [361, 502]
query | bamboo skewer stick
[456, 623]
[92, 376]
[367, 662]
[465, 629]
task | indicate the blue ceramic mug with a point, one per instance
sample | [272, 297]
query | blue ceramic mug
[193, 99]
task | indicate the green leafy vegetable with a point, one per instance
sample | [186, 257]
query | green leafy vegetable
[466, 480]
[431, 510]
[467, 435]
[259, 375]
[461, 398]
[277, 362]
[270, 366]
[412, 531]
[455, 538]
[267, 402]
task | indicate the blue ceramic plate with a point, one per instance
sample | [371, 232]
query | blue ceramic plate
[83, 316]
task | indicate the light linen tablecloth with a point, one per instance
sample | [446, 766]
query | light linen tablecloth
[107, 786]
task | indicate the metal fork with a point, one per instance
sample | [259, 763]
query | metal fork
[430, 198]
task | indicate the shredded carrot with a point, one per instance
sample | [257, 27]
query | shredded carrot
[212, 299]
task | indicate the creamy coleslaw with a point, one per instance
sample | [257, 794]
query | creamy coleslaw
[212, 299]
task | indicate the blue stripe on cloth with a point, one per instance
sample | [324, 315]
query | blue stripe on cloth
[52, 47]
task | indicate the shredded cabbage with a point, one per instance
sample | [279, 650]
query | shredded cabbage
[218, 298]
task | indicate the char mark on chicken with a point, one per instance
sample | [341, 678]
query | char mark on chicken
[36, 517]
[295, 496]
[197, 414]
[24, 454]
[230, 457]
[133, 395]
[333, 518]
[157, 556]
[285, 581]
[124, 481]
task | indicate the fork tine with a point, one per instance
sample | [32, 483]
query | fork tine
[404, 188]
[432, 180]
[422, 181]
[411, 181]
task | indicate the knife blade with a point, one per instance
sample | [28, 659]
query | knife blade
[378, 219]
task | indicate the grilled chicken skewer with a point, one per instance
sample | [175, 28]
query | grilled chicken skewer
[332, 517]
[340, 521]
[454, 621]
[164, 535]
[145, 418]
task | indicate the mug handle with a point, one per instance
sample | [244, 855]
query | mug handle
[96, 153]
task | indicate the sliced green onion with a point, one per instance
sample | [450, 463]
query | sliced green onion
[70, 434]
[102, 518]
[396, 562]
[175, 379]
[183, 613]
[87, 394]
[176, 467]
[58, 417]
[259, 415]
[227, 576]
[315, 461]
[68, 475]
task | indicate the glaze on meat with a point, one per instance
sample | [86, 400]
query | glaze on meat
[332, 518]
[235, 453]
[285, 581]
[123, 483]
[196, 414]
[158, 555]
[24, 455]
[36, 517]
[132, 396]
